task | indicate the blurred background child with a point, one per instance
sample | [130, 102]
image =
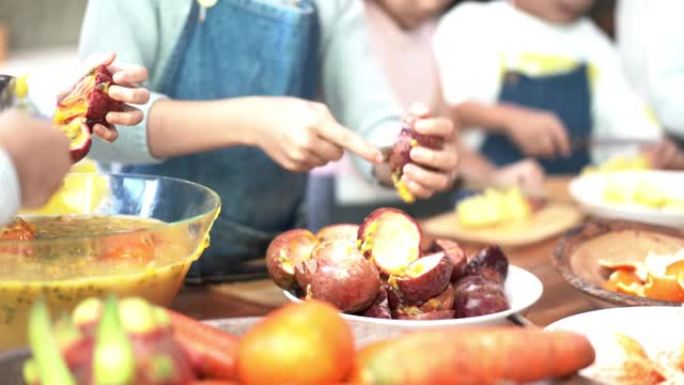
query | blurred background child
[650, 39]
[401, 33]
[539, 84]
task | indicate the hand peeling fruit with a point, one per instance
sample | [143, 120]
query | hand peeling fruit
[384, 273]
[84, 107]
[401, 154]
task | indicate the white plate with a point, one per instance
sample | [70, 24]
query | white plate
[588, 191]
[657, 328]
[522, 289]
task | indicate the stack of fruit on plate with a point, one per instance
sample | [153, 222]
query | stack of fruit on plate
[378, 269]
[133, 342]
[495, 207]
[659, 277]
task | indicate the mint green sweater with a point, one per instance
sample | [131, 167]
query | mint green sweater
[145, 32]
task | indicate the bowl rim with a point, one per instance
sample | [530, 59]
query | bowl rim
[595, 228]
[483, 319]
[622, 210]
[215, 207]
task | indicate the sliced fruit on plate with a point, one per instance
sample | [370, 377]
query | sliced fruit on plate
[85, 106]
[622, 277]
[455, 253]
[665, 288]
[490, 263]
[285, 252]
[342, 276]
[391, 239]
[425, 278]
[443, 301]
[339, 231]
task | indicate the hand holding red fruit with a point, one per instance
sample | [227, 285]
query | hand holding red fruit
[124, 88]
[40, 155]
[425, 158]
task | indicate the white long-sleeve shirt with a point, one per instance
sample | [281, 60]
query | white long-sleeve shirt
[475, 43]
[10, 194]
[651, 43]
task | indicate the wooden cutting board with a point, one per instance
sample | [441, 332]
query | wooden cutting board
[554, 218]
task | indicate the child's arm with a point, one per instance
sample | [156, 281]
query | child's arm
[34, 156]
[537, 133]
[131, 29]
[359, 95]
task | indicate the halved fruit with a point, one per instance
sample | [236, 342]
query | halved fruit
[380, 307]
[401, 154]
[425, 278]
[455, 253]
[340, 231]
[664, 288]
[342, 276]
[84, 107]
[391, 239]
[443, 301]
[285, 252]
[622, 277]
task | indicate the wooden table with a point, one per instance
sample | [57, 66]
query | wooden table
[256, 298]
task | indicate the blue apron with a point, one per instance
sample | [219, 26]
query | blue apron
[567, 95]
[241, 48]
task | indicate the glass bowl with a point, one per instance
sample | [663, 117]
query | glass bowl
[148, 256]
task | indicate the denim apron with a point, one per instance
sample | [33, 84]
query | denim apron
[567, 95]
[240, 48]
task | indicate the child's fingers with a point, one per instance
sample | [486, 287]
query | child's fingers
[435, 126]
[416, 189]
[130, 116]
[430, 180]
[129, 95]
[440, 160]
[350, 140]
[106, 133]
[560, 139]
[129, 74]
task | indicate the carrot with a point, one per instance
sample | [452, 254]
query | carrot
[481, 356]
[211, 350]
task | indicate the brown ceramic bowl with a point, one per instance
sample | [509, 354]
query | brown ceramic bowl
[576, 256]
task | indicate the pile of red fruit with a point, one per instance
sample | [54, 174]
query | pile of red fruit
[378, 269]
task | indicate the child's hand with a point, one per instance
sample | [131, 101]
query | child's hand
[300, 135]
[126, 89]
[40, 154]
[537, 133]
[664, 155]
[526, 174]
[431, 171]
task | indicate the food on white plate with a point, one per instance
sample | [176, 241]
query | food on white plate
[641, 193]
[494, 208]
[285, 252]
[659, 277]
[339, 274]
[384, 273]
[630, 364]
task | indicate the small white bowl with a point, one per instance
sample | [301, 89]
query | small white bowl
[522, 288]
[588, 191]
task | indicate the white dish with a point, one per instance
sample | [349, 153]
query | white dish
[522, 288]
[657, 328]
[588, 191]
